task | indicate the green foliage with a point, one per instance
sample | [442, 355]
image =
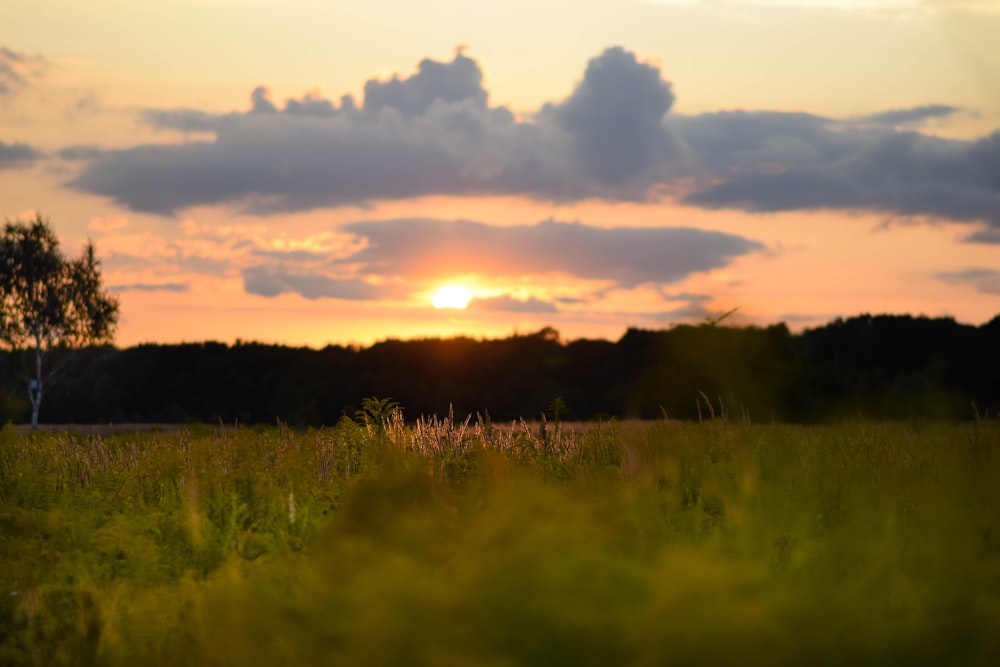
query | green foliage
[377, 412]
[48, 303]
[880, 367]
[444, 542]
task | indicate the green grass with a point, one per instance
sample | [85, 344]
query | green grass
[442, 543]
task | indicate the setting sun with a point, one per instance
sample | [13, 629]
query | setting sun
[452, 296]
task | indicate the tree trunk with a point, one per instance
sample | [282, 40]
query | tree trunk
[35, 388]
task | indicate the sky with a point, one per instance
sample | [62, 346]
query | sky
[311, 172]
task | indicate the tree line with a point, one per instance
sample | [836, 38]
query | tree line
[884, 366]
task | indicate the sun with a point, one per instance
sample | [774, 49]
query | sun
[452, 296]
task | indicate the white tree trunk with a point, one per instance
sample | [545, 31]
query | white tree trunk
[35, 388]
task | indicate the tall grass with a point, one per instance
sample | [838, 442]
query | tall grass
[440, 543]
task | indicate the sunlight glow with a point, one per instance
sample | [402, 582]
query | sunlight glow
[452, 296]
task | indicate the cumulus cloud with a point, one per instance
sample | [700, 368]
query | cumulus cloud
[614, 117]
[457, 81]
[624, 256]
[986, 281]
[18, 155]
[614, 137]
[17, 69]
[430, 133]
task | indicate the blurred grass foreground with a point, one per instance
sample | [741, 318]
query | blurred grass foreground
[377, 542]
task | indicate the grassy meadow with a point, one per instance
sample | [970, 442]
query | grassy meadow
[379, 542]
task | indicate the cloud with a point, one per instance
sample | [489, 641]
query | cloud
[624, 256]
[272, 163]
[80, 152]
[151, 287]
[17, 156]
[313, 104]
[911, 116]
[183, 120]
[143, 251]
[768, 165]
[986, 281]
[614, 117]
[386, 256]
[17, 69]
[985, 235]
[614, 138]
[457, 81]
[271, 281]
[507, 303]
[431, 133]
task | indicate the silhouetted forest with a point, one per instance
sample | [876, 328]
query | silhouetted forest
[895, 367]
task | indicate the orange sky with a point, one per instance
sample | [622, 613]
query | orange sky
[565, 182]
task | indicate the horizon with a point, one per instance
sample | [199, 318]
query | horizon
[316, 176]
[558, 335]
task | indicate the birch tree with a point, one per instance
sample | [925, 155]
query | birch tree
[49, 306]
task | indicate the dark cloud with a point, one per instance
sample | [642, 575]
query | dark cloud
[272, 281]
[260, 100]
[615, 118]
[16, 156]
[183, 120]
[311, 104]
[733, 142]
[81, 152]
[152, 287]
[626, 256]
[831, 166]
[459, 80]
[785, 191]
[274, 162]
[197, 121]
[613, 138]
[985, 235]
[431, 133]
[911, 116]
[986, 281]
[396, 252]
[510, 304]
[17, 69]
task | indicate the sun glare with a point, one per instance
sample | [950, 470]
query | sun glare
[452, 296]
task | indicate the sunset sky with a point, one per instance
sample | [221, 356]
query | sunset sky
[312, 171]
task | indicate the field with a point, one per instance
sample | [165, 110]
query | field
[380, 542]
